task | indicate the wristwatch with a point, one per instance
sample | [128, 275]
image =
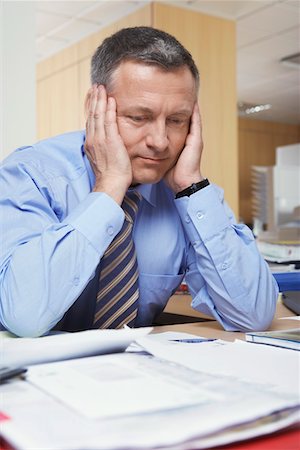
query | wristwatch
[194, 187]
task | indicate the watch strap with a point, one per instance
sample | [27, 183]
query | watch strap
[194, 187]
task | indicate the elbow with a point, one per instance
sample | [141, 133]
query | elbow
[264, 307]
[22, 328]
[245, 322]
[22, 323]
[259, 322]
[260, 312]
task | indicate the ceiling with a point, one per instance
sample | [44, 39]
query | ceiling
[267, 31]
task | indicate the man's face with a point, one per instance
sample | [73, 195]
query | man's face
[154, 108]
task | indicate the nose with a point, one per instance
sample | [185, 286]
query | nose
[157, 138]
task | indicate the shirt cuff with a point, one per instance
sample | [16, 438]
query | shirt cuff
[99, 218]
[203, 213]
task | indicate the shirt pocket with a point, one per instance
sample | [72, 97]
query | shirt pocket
[157, 289]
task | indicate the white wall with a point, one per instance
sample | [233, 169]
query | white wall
[17, 70]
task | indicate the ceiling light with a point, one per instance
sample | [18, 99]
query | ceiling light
[245, 109]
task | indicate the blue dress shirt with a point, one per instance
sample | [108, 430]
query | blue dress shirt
[54, 231]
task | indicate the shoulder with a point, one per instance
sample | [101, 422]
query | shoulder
[57, 155]
[67, 142]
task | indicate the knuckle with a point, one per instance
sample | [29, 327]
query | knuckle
[88, 145]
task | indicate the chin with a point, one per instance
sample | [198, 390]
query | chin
[147, 178]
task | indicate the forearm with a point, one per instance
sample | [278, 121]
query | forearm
[226, 274]
[43, 277]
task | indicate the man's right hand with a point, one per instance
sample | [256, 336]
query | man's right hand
[104, 146]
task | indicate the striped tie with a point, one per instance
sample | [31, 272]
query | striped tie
[117, 298]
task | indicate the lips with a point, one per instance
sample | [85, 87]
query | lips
[154, 160]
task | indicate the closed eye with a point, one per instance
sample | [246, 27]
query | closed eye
[137, 119]
[178, 121]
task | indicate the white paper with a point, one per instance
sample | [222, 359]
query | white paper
[269, 366]
[266, 425]
[109, 387]
[26, 351]
[37, 420]
[289, 318]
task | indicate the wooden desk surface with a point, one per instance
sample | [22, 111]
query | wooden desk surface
[180, 304]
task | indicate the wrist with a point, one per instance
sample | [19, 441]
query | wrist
[186, 182]
[115, 190]
[194, 187]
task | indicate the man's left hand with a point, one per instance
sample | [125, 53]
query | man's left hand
[187, 168]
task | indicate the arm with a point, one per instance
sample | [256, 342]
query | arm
[226, 274]
[47, 260]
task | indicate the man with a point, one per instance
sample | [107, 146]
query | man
[69, 204]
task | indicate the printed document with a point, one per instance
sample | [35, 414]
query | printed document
[135, 400]
[269, 366]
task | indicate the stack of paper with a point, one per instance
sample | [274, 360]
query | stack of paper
[188, 393]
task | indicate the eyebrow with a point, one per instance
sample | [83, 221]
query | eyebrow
[138, 109]
[145, 110]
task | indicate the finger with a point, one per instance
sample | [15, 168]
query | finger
[196, 120]
[196, 126]
[87, 102]
[90, 125]
[100, 112]
[198, 112]
[111, 127]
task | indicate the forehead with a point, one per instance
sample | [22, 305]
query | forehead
[134, 81]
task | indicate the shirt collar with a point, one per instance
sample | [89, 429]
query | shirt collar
[149, 193]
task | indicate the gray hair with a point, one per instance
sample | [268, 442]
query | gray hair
[146, 45]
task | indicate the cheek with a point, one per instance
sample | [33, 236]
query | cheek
[177, 141]
[130, 135]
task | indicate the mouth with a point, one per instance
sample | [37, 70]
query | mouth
[152, 160]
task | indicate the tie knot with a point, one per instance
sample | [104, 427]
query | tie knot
[131, 204]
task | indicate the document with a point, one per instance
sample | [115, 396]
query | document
[110, 386]
[16, 351]
[135, 400]
[270, 366]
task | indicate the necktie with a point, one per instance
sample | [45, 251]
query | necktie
[118, 294]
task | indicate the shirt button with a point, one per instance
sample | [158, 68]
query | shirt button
[76, 281]
[224, 266]
[200, 215]
[187, 219]
[110, 231]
